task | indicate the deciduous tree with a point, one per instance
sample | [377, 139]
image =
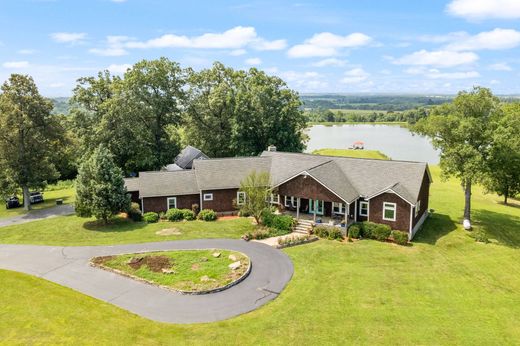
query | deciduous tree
[256, 188]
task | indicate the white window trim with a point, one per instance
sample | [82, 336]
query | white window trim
[207, 197]
[342, 208]
[361, 208]
[417, 208]
[290, 201]
[392, 206]
[241, 193]
[171, 199]
[274, 198]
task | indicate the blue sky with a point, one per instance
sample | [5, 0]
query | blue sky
[430, 47]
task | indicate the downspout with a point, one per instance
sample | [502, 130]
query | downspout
[411, 214]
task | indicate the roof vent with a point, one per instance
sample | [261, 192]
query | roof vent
[271, 148]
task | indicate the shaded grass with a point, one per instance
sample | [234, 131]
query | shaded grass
[67, 194]
[190, 268]
[366, 154]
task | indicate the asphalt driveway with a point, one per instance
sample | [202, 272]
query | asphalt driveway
[69, 266]
[38, 214]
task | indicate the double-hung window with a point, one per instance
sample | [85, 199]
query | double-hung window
[275, 198]
[339, 208]
[363, 208]
[389, 211]
[172, 202]
[290, 201]
[241, 197]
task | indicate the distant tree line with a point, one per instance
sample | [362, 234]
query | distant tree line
[327, 115]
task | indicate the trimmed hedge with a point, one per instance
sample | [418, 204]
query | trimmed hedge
[331, 233]
[174, 214]
[367, 229]
[381, 232]
[279, 222]
[134, 212]
[354, 231]
[188, 214]
[151, 217]
[207, 215]
[400, 237]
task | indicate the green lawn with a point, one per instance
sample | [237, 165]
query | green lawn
[194, 270]
[72, 230]
[445, 289]
[49, 197]
[332, 123]
[369, 154]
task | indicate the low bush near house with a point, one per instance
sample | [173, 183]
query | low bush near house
[162, 215]
[354, 231]
[195, 209]
[279, 222]
[331, 233]
[151, 217]
[400, 237]
[367, 229]
[174, 214]
[295, 240]
[259, 233]
[188, 214]
[381, 232]
[207, 215]
[134, 212]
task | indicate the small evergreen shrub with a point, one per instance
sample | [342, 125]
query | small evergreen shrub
[174, 214]
[381, 232]
[354, 231]
[134, 212]
[283, 223]
[207, 215]
[188, 214]
[151, 217]
[326, 232]
[367, 229]
[400, 237]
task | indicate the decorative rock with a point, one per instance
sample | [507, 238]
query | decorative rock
[216, 254]
[232, 257]
[134, 260]
[168, 271]
[203, 259]
[205, 278]
[234, 265]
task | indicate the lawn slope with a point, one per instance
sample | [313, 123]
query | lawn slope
[366, 154]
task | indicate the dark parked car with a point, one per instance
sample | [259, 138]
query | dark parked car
[36, 197]
[12, 202]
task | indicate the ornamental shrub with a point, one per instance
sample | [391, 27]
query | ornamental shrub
[151, 217]
[400, 237]
[174, 214]
[381, 232]
[354, 231]
[195, 209]
[367, 229]
[207, 215]
[331, 233]
[188, 214]
[134, 212]
[282, 223]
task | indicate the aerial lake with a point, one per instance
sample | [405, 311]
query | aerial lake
[393, 140]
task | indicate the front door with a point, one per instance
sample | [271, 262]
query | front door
[316, 205]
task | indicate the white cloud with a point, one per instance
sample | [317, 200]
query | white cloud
[253, 61]
[15, 64]
[303, 81]
[492, 40]
[436, 74]
[449, 37]
[56, 85]
[441, 58]
[26, 51]
[330, 62]
[118, 69]
[327, 44]
[501, 66]
[485, 9]
[235, 38]
[118, 1]
[68, 37]
[237, 52]
[355, 76]
[494, 82]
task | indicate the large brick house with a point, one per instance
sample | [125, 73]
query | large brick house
[383, 191]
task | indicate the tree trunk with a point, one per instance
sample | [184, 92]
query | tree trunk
[505, 198]
[467, 200]
[26, 198]
[506, 194]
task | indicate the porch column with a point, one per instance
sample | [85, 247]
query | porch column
[346, 215]
[314, 209]
[298, 208]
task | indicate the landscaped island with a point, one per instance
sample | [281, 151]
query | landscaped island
[187, 271]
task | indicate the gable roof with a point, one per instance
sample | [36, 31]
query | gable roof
[187, 155]
[155, 184]
[132, 184]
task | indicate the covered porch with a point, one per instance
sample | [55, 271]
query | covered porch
[319, 211]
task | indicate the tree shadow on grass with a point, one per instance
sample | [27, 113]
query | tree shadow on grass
[434, 228]
[116, 225]
[504, 228]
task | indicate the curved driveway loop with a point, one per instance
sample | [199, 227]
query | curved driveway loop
[69, 266]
